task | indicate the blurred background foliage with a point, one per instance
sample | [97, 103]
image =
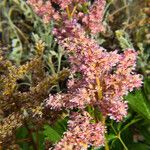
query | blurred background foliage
[32, 65]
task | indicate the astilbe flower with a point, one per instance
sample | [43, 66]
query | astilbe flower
[81, 133]
[77, 96]
[118, 84]
[44, 10]
[106, 75]
[47, 12]
[93, 20]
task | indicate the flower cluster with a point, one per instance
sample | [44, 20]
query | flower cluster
[82, 133]
[77, 96]
[44, 10]
[107, 74]
[93, 20]
[106, 77]
[119, 84]
[89, 15]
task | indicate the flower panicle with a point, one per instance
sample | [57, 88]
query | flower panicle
[44, 9]
[72, 9]
[82, 133]
[116, 73]
[93, 20]
[106, 77]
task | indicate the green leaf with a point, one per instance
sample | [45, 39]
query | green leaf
[41, 141]
[53, 53]
[21, 134]
[51, 134]
[110, 137]
[139, 103]
[60, 126]
[16, 53]
[24, 7]
[39, 137]
[123, 39]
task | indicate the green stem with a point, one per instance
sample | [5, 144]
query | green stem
[68, 12]
[17, 29]
[99, 88]
[118, 10]
[106, 143]
[73, 11]
[125, 147]
[51, 65]
[13, 27]
[103, 117]
[127, 9]
[129, 124]
[113, 128]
